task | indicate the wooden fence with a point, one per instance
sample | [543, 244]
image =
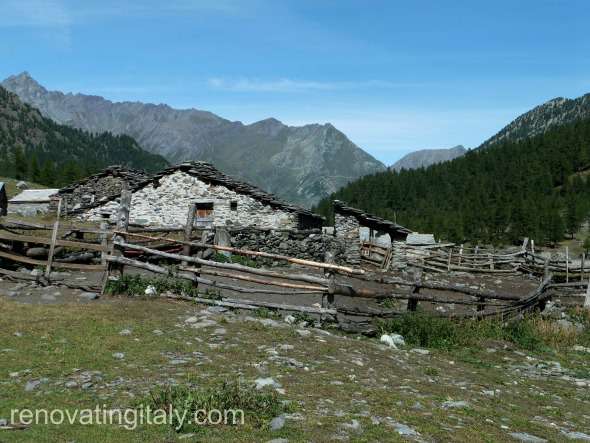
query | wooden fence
[325, 282]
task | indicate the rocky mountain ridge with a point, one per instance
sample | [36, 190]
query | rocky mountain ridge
[427, 157]
[299, 164]
[555, 112]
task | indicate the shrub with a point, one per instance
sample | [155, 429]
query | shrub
[134, 285]
[258, 406]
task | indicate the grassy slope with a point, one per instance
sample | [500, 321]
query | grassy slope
[11, 188]
[347, 379]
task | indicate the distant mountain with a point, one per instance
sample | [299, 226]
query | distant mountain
[36, 148]
[300, 164]
[427, 157]
[556, 112]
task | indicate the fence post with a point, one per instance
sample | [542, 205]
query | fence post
[587, 299]
[328, 299]
[460, 255]
[582, 267]
[188, 230]
[122, 223]
[546, 269]
[449, 260]
[53, 241]
[413, 303]
[567, 264]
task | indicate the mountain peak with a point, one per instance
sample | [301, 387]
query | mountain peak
[555, 112]
[427, 157]
[23, 83]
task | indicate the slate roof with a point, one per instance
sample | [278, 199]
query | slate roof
[369, 220]
[34, 196]
[132, 176]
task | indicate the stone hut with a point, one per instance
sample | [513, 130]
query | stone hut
[353, 225]
[97, 188]
[31, 202]
[3, 199]
[221, 201]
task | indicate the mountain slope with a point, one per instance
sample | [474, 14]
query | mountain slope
[301, 164]
[35, 147]
[536, 187]
[427, 157]
[538, 120]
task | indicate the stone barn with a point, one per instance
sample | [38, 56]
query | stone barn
[3, 200]
[221, 201]
[97, 188]
[31, 202]
[354, 226]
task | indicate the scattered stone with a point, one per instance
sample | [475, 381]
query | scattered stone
[191, 320]
[89, 295]
[118, 356]
[303, 332]
[450, 404]
[402, 429]
[220, 331]
[150, 291]
[526, 438]
[354, 425]
[278, 440]
[290, 319]
[157, 332]
[18, 334]
[392, 340]
[48, 297]
[216, 309]
[71, 384]
[277, 423]
[420, 351]
[204, 324]
[125, 332]
[264, 382]
[576, 435]
[32, 385]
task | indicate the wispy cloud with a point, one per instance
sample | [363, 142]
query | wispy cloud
[36, 13]
[290, 85]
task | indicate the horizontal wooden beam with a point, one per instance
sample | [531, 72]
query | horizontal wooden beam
[31, 261]
[47, 241]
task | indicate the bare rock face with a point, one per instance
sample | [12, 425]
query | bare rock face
[299, 164]
[558, 111]
[427, 157]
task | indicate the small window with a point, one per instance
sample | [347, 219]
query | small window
[204, 215]
[233, 205]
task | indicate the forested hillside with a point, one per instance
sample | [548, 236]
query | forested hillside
[535, 187]
[36, 148]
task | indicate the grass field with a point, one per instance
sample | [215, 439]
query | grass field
[328, 386]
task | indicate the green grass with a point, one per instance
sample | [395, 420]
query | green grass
[258, 407]
[59, 342]
[532, 333]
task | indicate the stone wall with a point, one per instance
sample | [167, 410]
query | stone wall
[347, 229]
[167, 203]
[94, 190]
[309, 245]
[28, 209]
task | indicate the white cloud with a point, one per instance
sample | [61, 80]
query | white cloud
[289, 85]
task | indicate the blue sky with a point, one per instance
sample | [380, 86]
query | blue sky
[395, 76]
